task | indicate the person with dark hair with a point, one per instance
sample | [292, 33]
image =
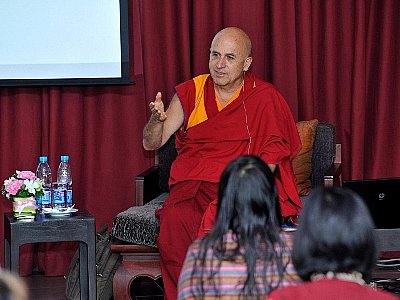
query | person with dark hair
[335, 257]
[245, 256]
[215, 118]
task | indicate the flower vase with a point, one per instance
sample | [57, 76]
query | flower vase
[24, 208]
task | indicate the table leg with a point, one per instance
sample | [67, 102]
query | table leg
[14, 261]
[87, 263]
[91, 249]
[6, 254]
[83, 270]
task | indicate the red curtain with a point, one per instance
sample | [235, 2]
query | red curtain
[335, 60]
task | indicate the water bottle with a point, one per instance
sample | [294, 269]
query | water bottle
[43, 172]
[64, 183]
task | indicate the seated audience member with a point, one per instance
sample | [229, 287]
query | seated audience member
[12, 287]
[245, 255]
[334, 257]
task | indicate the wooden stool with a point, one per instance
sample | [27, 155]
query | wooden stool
[137, 261]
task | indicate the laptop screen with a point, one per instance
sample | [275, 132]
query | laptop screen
[382, 197]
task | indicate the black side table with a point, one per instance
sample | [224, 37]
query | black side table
[80, 226]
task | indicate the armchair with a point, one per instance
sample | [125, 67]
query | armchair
[326, 165]
[136, 229]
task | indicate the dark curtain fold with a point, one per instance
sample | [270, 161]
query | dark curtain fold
[335, 60]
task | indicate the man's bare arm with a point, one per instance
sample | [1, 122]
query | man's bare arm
[162, 124]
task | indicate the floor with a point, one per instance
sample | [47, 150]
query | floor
[53, 288]
[45, 288]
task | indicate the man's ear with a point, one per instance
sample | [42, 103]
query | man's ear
[247, 63]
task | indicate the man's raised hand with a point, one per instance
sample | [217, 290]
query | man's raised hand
[157, 109]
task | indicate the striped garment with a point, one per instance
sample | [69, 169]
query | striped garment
[228, 282]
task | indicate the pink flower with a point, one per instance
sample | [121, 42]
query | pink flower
[14, 186]
[26, 175]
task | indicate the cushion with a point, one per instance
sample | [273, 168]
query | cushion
[138, 224]
[302, 161]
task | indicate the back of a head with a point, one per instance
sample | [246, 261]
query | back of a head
[336, 233]
[247, 197]
[247, 214]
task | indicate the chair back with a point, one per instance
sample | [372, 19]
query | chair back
[323, 152]
[166, 155]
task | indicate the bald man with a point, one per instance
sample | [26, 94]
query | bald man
[217, 117]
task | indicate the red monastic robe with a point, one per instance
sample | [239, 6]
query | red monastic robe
[257, 122]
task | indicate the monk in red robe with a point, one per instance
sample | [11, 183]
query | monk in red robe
[217, 117]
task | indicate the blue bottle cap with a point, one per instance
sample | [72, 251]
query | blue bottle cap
[43, 159]
[64, 158]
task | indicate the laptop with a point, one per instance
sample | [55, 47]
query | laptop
[382, 196]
